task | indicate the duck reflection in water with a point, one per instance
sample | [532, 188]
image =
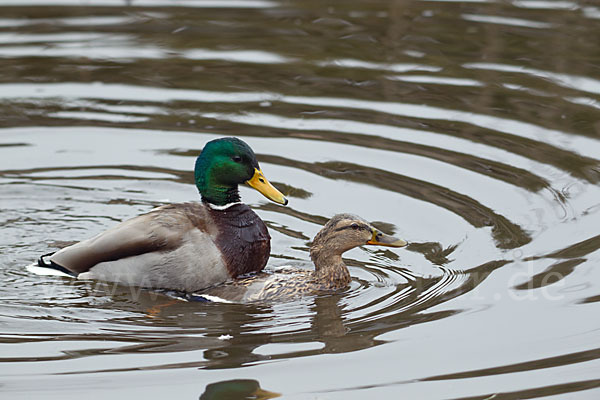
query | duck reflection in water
[236, 389]
[342, 233]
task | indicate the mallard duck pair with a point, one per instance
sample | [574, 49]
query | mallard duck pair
[190, 247]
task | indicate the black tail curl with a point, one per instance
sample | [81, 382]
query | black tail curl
[52, 265]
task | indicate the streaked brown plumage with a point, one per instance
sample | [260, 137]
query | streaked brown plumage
[342, 233]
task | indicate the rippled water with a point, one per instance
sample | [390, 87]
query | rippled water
[469, 128]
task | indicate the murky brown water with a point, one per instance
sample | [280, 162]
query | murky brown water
[470, 128]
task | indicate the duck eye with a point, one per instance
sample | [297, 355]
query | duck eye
[354, 226]
[237, 159]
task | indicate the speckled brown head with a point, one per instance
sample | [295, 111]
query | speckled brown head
[346, 231]
[342, 233]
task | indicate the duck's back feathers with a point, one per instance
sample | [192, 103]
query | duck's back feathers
[283, 285]
[143, 234]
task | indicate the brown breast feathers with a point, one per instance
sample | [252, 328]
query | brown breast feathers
[243, 239]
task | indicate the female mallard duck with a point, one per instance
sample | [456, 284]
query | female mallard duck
[342, 233]
[187, 246]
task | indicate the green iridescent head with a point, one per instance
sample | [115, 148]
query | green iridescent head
[223, 165]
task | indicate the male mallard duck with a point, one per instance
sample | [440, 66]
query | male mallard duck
[342, 233]
[187, 246]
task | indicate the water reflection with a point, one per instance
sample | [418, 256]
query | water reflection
[236, 389]
[148, 3]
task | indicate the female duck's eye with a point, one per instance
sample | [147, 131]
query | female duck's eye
[237, 159]
[354, 226]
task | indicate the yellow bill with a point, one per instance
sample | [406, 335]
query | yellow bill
[381, 239]
[260, 183]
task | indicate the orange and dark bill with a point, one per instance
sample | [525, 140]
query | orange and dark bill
[260, 183]
[381, 239]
